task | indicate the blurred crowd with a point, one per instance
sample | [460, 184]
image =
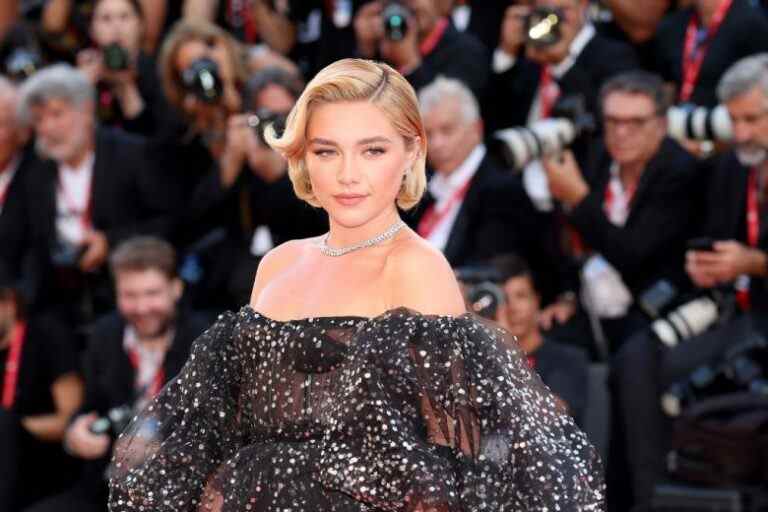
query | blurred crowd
[598, 175]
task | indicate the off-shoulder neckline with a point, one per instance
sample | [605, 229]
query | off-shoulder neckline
[355, 318]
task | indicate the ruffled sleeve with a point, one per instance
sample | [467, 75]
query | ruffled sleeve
[469, 426]
[168, 455]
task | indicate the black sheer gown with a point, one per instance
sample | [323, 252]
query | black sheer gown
[401, 412]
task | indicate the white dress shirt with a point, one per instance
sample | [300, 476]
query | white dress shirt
[73, 192]
[6, 176]
[444, 188]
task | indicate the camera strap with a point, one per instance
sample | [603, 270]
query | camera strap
[549, 92]
[151, 389]
[696, 48]
[428, 45]
[753, 236]
[617, 199]
[12, 364]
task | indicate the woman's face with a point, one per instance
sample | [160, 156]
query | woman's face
[116, 21]
[356, 160]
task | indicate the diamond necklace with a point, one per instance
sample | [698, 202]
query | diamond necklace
[341, 251]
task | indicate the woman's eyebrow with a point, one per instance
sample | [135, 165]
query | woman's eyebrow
[361, 142]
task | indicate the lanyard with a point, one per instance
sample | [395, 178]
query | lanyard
[12, 364]
[548, 92]
[434, 37]
[432, 217]
[71, 204]
[157, 382]
[695, 51]
[753, 235]
[609, 197]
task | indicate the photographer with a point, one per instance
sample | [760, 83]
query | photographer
[14, 158]
[92, 188]
[413, 37]
[248, 192]
[563, 368]
[132, 353]
[539, 61]
[695, 46]
[632, 207]
[736, 259]
[124, 76]
[39, 390]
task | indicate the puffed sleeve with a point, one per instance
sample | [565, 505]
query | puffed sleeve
[167, 457]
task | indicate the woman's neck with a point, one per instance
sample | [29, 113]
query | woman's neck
[343, 236]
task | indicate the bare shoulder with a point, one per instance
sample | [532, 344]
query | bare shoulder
[421, 279]
[277, 260]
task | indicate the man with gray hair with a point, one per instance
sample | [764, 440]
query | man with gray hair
[91, 188]
[474, 208]
[732, 254]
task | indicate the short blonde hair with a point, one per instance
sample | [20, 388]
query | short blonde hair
[349, 80]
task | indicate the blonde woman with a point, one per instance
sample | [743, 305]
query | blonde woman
[355, 381]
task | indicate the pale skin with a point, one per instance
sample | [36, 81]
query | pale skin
[354, 149]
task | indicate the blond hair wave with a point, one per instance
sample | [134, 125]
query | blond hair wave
[349, 80]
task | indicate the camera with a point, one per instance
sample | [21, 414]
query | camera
[521, 145]
[262, 118]
[543, 26]
[482, 292]
[115, 57]
[700, 123]
[395, 19]
[114, 422]
[685, 321]
[202, 79]
[22, 63]
[65, 254]
[742, 368]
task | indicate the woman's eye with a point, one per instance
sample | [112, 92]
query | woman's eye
[375, 151]
[323, 152]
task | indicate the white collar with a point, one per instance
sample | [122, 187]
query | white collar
[86, 165]
[441, 186]
[578, 44]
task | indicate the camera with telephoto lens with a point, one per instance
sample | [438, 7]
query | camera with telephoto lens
[699, 123]
[114, 422]
[543, 26]
[395, 18]
[202, 79]
[521, 145]
[115, 57]
[742, 368]
[482, 289]
[22, 63]
[262, 118]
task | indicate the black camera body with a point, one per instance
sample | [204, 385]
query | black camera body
[114, 422]
[66, 255]
[483, 290]
[395, 18]
[262, 118]
[202, 79]
[115, 57]
[543, 26]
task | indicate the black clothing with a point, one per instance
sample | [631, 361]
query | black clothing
[130, 196]
[33, 468]
[744, 32]
[109, 383]
[651, 244]
[346, 413]
[565, 370]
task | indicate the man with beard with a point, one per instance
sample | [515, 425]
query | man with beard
[92, 188]
[736, 221]
[132, 353]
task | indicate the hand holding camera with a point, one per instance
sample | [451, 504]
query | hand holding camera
[565, 180]
[82, 442]
[390, 28]
[723, 263]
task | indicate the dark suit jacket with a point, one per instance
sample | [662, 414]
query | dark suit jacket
[744, 32]
[651, 244]
[109, 375]
[497, 217]
[725, 212]
[511, 94]
[130, 197]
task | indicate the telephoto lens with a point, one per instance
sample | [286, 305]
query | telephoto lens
[543, 26]
[202, 79]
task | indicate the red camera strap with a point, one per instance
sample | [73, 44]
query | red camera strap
[432, 217]
[753, 230]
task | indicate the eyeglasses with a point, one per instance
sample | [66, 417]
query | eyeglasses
[633, 123]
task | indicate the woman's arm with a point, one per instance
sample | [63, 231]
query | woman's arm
[67, 393]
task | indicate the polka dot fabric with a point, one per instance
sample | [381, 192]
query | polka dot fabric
[402, 412]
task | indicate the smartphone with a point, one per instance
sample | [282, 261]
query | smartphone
[703, 243]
